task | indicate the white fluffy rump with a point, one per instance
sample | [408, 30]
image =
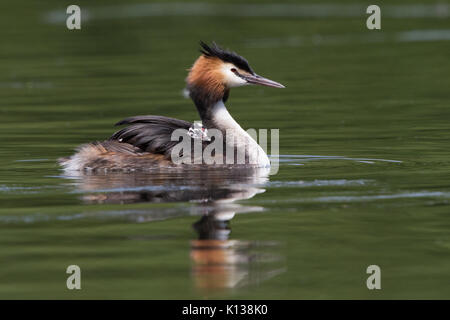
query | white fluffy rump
[86, 154]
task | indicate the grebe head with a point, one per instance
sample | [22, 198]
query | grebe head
[215, 72]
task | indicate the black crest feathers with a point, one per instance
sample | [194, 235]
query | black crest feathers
[227, 56]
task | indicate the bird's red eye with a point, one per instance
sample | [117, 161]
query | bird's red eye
[233, 70]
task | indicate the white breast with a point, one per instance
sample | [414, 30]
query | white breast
[225, 122]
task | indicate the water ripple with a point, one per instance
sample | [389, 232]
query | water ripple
[319, 183]
[375, 197]
[307, 158]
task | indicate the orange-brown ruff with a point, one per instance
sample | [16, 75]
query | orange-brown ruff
[145, 143]
[206, 73]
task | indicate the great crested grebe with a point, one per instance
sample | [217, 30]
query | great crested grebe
[147, 140]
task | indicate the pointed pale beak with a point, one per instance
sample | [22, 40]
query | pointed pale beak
[255, 79]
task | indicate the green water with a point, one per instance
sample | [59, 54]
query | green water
[308, 232]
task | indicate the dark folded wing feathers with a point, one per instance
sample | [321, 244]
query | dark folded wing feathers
[150, 133]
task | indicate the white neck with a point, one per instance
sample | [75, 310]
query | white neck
[225, 122]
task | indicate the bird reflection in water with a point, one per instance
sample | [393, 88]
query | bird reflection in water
[218, 262]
